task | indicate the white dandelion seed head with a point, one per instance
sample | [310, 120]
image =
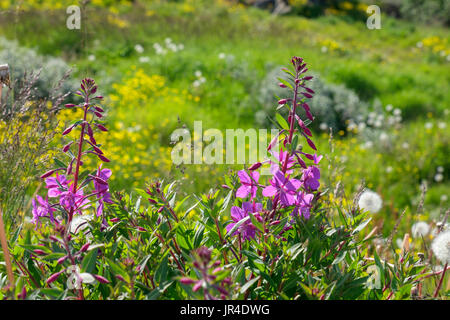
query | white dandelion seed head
[397, 112]
[442, 125]
[324, 49]
[384, 137]
[139, 48]
[198, 73]
[440, 169]
[420, 229]
[370, 201]
[222, 55]
[441, 247]
[323, 126]
[367, 145]
[180, 47]
[428, 125]
[405, 145]
[91, 57]
[144, 59]
[391, 120]
[361, 126]
[389, 169]
[444, 198]
[389, 107]
[419, 44]
[439, 177]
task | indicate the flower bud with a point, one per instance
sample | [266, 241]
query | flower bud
[39, 252]
[67, 147]
[101, 127]
[53, 277]
[47, 174]
[85, 247]
[100, 278]
[282, 101]
[187, 280]
[67, 130]
[62, 259]
[255, 166]
[103, 158]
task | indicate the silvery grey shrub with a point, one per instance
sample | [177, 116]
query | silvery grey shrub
[24, 60]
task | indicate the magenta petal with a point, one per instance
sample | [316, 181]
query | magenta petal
[255, 175]
[294, 184]
[105, 174]
[243, 176]
[242, 192]
[269, 191]
[236, 213]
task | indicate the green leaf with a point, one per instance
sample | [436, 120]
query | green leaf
[282, 121]
[246, 286]
[237, 225]
[361, 226]
[285, 82]
[88, 264]
[255, 222]
[59, 163]
[294, 143]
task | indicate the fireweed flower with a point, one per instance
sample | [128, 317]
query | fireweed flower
[56, 185]
[282, 187]
[310, 178]
[41, 209]
[281, 156]
[303, 204]
[249, 184]
[247, 229]
[73, 200]
[102, 188]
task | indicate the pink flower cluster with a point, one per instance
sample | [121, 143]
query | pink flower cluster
[285, 190]
[67, 188]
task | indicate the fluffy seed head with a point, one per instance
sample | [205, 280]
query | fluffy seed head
[370, 201]
[441, 247]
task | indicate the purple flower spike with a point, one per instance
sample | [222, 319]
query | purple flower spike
[41, 209]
